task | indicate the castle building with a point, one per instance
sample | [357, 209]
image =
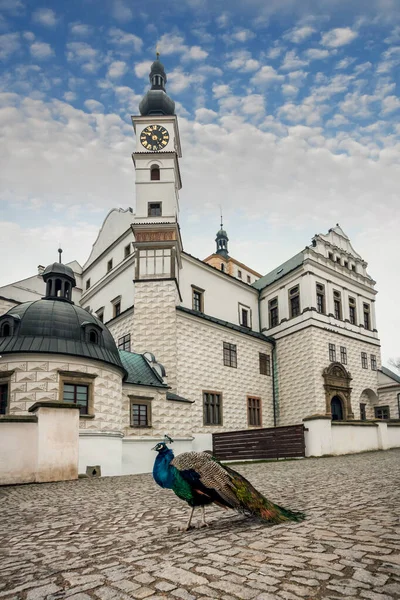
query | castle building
[149, 339]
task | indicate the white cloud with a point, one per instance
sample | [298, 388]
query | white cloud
[243, 35]
[266, 75]
[41, 50]
[197, 53]
[85, 55]
[337, 120]
[69, 96]
[221, 90]
[80, 29]
[9, 43]
[45, 16]
[338, 37]
[117, 69]
[205, 115]
[292, 61]
[299, 34]
[316, 53]
[29, 36]
[121, 11]
[242, 61]
[345, 62]
[275, 52]
[223, 20]
[390, 104]
[122, 38]
[289, 90]
[253, 104]
[94, 106]
[142, 69]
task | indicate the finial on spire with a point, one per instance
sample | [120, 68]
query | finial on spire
[59, 254]
[157, 52]
[220, 210]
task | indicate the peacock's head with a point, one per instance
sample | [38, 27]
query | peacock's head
[162, 446]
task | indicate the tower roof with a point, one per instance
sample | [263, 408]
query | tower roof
[157, 101]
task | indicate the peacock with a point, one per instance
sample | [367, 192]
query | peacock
[200, 479]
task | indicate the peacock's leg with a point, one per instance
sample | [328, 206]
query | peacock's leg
[203, 517]
[190, 519]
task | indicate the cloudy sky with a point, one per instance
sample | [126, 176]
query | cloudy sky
[289, 114]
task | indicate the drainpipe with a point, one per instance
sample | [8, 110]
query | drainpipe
[273, 366]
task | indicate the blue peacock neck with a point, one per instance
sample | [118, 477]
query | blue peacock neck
[163, 471]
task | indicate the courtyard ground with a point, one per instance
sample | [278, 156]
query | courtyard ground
[118, 538]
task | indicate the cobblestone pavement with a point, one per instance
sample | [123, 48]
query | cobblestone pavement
[118, 538]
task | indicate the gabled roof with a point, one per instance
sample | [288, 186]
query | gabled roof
[279, 272]
[390, 374]
[139, 370]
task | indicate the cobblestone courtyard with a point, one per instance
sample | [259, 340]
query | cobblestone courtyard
[118, 538]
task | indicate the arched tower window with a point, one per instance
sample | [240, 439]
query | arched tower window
[67, 290]
[93, 337]
[58, 287]
[155, 173]
[222, 267]
[5, 330]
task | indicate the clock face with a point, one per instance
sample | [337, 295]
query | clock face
[154, 138]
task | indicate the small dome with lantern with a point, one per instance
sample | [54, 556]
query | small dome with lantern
[157, 101]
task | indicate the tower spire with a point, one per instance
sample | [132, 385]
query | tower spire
[222, 239]
[59, 254]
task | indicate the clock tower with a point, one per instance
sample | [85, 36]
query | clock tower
[157, 242]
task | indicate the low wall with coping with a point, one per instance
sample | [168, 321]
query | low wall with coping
[40, 447]
[326, 437]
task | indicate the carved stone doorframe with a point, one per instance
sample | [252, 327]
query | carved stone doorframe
[337, 383]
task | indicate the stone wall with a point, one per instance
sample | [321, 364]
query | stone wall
[121, 326]
[388, 397]
[302, 358]
[5, 305]
[36, 378]
[155, 323]
[201, 367]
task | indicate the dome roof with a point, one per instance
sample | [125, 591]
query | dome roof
[222, 234]
[157, 102]
[58, 327]
[157, 68]
[58, 269]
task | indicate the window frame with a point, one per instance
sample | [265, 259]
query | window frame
[294, 296]
[87, 285]
[254, 413]
[320, 291]
[229, 353]
[151, 206]
[243, 308]
[4, 404]
[76, 378]
[264, 361]
[109, 265]
[367, 316]
[239, 274]
[385, 408]
[337, 303]
[140, 401]
[155, 169]
[273, 319]
[363, 412]
[248, 279]
[212, 423]
[343, 355]
[124, 342]
[152, 257]
[364, 360]
[374, 366]
[352, 310]
[200, 292]
[332, 352]
[116, 309]
[127, 250]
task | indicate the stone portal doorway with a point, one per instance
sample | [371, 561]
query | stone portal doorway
[336, 409]
[337, 392]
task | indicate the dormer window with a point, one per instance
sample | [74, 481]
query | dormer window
[93, 333]
[93, 337]
[6, 329]
[155, 173]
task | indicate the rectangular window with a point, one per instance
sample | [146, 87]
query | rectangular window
[265, 364]
[153, 263]
[294, 301]
[87, 284]
[352, 311]
[273, 310]
[197, 299]
[382, 412]
[364, 360]
[321, 298]
[117, 309]
[3, 398]
[353, 267]
[140, 412]
[230, 355]
[109, 265]
[248, 279]
[100, 314]
[254, 412]
[78, 394]
[346, 264]
[127, 251]
[343, 355]
[373, 362]
[154, 209]
[212, 408]
[332, 352]
[363, 416]
[330, 255]
[337, 304]
[367, 316]
[244, 316]
[239, 274]
[124, 342]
